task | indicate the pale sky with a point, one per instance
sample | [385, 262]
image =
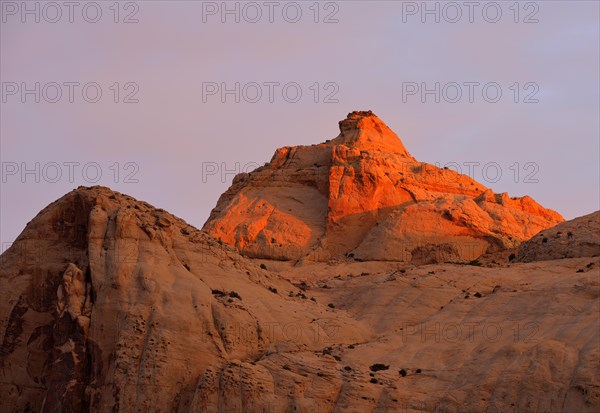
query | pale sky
[179, 55]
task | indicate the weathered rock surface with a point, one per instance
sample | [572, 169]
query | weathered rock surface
[363, 194]
[108, 304]
[579, 237]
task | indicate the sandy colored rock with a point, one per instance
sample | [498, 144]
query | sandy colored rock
[579, 237]
[363, 194]
[109, 304]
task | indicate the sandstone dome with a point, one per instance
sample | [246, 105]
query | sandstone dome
[363, 195]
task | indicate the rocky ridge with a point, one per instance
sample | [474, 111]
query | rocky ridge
[110, 304]
[363, 195]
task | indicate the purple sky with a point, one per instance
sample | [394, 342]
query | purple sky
[375, 51]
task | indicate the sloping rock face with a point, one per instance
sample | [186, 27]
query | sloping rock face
[108, 304]
[362, 194]
[579, 237]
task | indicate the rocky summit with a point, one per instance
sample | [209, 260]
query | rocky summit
[363, 195]
[109, 304]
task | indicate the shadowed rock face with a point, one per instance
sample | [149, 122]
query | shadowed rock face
[363, 194]
[579, 237]
[108, 304]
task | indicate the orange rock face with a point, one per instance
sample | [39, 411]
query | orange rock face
[362, 194]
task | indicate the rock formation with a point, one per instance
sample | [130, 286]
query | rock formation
[108, 304]
[363, 195]
[579, 237]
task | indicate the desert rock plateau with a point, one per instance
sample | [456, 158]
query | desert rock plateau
[340, 277]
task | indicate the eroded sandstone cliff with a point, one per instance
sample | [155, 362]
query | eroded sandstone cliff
[108, 304]
[363, 194]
